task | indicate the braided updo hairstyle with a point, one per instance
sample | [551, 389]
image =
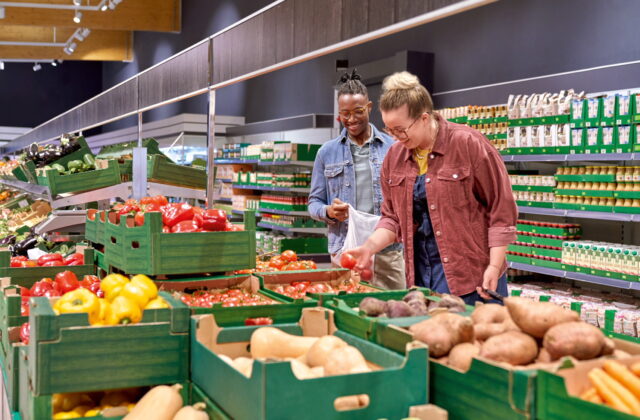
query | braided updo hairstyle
[404, 88]
[351, 84]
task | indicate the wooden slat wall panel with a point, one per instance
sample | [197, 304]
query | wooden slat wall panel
[406, 9]
[277, 39]
[316, 24]
[355, 18]
[179, 76]
[381, 13]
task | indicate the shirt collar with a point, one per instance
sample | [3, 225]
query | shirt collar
[375, 132]
[440, 145]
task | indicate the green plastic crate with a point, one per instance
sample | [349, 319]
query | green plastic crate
[310, 399]
[282, 312]
[146, 250]
[334, 276]
[161, 169]
[10, 316]
[555, 403]
[94, 226]
[83, 181]
[115, 151]
[26, 276]
[12, 369]
[66, 354]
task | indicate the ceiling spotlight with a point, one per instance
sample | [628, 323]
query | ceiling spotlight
[1, 65]
[54, 64]
[112, 5]
[77, 2]
[85, 32]
[37, 67]
[77, 17]
[1, 12]
[104, 7]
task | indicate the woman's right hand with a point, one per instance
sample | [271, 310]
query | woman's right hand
[363, 255]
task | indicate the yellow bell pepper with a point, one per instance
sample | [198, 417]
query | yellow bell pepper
[93, 412]
[79, 301]
[135, 293]
[123, 311]
[146, 284]
[115, 399]
[82, 410]
[112, 285]
[66, 415]
[157, 303]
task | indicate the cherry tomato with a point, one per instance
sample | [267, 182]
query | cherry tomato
[347, 261]
[366, 274]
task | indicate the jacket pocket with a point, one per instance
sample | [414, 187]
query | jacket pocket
[397, 182]
[335, 177]
[455, 180]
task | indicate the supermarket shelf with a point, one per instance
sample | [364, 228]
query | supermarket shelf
[38, 191]
[223, 200]
[308, 164]
[285, 212]
[587, 278]
[293, 230]
[599, 215]
[63, 220]
[241, 212]
[234, 161]
[612, 157]
[282, 189]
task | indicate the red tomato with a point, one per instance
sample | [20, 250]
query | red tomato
[166, 229]
[53, 264]
[289, 256]
[289, 290]
[276, 262]
[258, 321]
[160, 200]
[131, 202]
[347, 261]
[366, 274]
[139, 218]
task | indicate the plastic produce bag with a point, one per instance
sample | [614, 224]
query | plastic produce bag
[361, 226]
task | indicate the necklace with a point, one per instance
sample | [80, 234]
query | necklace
[420, 154]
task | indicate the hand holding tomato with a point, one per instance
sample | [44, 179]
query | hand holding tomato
[362, 256]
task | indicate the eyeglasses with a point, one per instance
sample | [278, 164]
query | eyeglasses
[358, 112]
[399, 133]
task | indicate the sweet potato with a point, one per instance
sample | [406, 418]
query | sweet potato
[452, 303]
[512, 347]
[372, 306]
[442, 332]
[609, 347]
[535, 318]
[543, 356]
[414, 295]
[460, 356]
[418, 307]
[578, 339]
[489, 313]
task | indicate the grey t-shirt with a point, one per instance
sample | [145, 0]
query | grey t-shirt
[364, 180]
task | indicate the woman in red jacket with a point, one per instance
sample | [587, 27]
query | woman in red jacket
[447, 196]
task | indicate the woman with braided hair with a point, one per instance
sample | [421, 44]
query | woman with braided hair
[347, 171]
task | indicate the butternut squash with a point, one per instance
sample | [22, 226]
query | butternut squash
[269, 342]
[320, 350]
[192, 412]
[345, 360]
[160, 403]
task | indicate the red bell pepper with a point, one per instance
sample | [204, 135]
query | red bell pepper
[52, 293]
[49, 257]
[39, 288]
[172, 214]
[24, 292]
[129, 209]
[258, 321]
[166, 229]
[74, 259]
[17, 261]
[159, 200]
[25, 332]
[185, 226]
[67, 281]
[214, 220]
[24, 307]
[139, 218]
[29, 263]
[92, 283]
[54, 263]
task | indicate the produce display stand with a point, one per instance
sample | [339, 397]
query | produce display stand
[82, 181]
[314, 398]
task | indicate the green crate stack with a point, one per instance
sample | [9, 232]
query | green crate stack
[161, 169]
[83, 181]
[146, 250]
[406, 374]
[27, 171]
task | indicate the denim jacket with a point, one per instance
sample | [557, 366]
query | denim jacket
[334, 177]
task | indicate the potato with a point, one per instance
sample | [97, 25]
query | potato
[452, 303]
[372, 306]
[577, 339]
[418, 307]
[320, 350]
[460, 356]
[512, 347]
[442, 332]
[543, 356]
[535, 318]
[609, 347]
[398, 309]
[484, 331]
[414, 295]
[489, 313]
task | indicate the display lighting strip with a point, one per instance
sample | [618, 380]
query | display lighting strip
[79, 35]
[76, 6]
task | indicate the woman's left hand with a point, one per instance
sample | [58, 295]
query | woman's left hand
[489, 281]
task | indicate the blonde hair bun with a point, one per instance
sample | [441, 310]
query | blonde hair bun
[400, 81]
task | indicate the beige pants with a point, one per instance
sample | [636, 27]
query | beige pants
[389, 270]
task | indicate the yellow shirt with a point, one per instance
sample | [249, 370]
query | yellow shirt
[421, 157]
